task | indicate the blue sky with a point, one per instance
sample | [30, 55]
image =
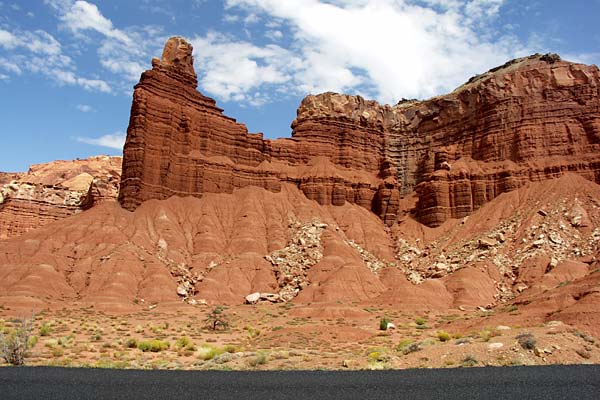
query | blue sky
[67, 68]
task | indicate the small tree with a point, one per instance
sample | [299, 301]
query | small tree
[216, 319]
[13, 344]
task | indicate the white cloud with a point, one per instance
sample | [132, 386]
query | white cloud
[10, 66]
[7, 39]
[84, 108]
[387, 49]
[113, 141]
[123, 60]
[123, 52]
[232, 69]
[39, 52]
[39, 41]
[69, 78]
[230, 18]
[4, 77]
[83, 16]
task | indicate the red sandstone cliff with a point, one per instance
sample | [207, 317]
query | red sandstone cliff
[180, 143]
[55, 190]
[531, 119]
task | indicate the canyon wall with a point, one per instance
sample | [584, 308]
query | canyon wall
[531, 119]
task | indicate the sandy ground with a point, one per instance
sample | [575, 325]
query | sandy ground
[287, 336]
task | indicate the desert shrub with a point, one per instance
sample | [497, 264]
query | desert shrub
[420, 321]
[131, 343]
[403, 344]
[469, 361]
[45, 330]
[378, 355]
[96, 337]
[252, 332]
[411, 348]
[154, 346]
[143, 346]
[183, 342]
[259, 359]
[229, 348]
[527, 341]
[14, 343]
[383, 323]
[487, 334]
[158, 345]
[32, 341]
[207, 352]
[216, 319]
[443, 336]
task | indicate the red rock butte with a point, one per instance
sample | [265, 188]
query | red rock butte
[531, 119]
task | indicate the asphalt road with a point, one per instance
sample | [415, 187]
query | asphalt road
[556, 382]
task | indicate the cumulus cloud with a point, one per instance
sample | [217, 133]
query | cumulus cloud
[235, 70]
[387, 49]
[114, 141]
[83, 16]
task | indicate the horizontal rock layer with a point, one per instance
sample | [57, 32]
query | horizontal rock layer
[531, 119]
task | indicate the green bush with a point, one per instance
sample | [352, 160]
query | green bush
[403, 344]
[207, 352]
[158, 345]
[229, 348]
[252, 332]
[184, 342]
[383, 323]
[45, 330]
[443, 336]
[131, 343]
[154, 346]
[420, 321]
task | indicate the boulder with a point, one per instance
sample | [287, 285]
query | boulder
[253, 298]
